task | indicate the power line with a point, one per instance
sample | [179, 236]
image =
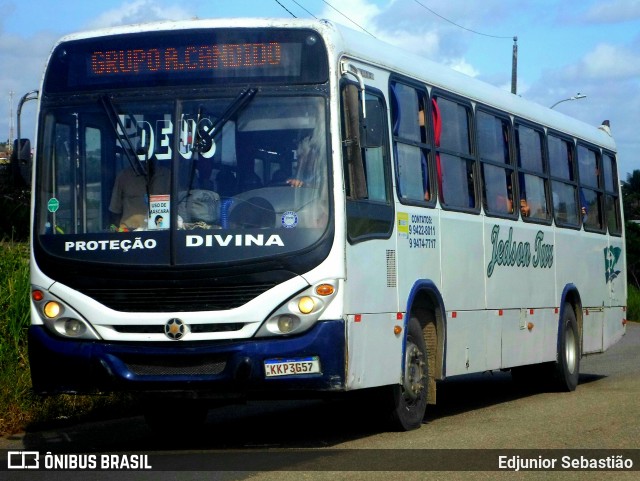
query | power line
[459, 26]
[294, 1]
[345, 16]
[278, 2]
[359, 26]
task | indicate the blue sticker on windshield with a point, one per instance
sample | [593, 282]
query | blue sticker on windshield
[289, 220]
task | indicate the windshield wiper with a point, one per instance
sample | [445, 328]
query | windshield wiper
[204, 138]
[125, 141]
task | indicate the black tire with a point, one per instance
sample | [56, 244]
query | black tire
[409, 400]
[567, 365]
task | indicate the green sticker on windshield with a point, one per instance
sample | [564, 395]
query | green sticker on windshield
[53, 204]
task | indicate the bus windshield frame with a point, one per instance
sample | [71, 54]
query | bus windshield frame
[226, 175]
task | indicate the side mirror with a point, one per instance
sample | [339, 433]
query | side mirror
[21, 163]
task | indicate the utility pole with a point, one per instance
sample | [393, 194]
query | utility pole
[514, 67]
[10, 142]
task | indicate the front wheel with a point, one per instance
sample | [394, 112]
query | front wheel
[567, 366]
[409, 400]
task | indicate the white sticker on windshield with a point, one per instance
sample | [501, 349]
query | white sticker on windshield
[289, 219]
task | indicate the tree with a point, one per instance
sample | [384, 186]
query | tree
[631, 205]
[631, 196]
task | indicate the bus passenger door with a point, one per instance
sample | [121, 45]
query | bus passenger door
[371, 297]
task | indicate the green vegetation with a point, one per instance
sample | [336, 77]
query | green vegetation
[631, 204]
[633, 303]
[20, 407]
[14, 320]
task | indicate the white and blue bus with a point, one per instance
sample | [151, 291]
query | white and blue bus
[234, 208]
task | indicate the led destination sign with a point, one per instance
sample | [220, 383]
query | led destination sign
[185, 59]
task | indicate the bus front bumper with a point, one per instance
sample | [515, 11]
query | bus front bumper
[214, 369]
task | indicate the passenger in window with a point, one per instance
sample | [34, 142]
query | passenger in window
[500, 200]
[422, 123]
[584, 204]
[423, 134]
[592, 215]
[504, 204]
[129, 206]
[525, 208]
[583, 207]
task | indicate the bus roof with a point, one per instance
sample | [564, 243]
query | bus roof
[344, 41]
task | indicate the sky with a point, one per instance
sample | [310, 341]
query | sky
[565, 47]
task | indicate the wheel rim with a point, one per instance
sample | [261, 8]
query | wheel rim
[414, 373]
[570, 348]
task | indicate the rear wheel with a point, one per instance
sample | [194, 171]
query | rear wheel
[561, 375]
[567, 366]
[409, 400]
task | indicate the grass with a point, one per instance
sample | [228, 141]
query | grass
[14, 321]
[20, 407]
[633, 303]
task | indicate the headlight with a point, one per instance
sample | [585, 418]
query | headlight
[306, 304]
[299, 313]
[287, 323]
[74, 327]
[52, 309]
[59, 317]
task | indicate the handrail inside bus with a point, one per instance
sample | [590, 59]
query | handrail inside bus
[348, 68]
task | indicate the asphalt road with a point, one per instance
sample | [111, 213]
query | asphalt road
[486, 414]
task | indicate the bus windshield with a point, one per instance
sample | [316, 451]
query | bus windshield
[195, 180]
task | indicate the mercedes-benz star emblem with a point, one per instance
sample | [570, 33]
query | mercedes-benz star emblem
[175, 329]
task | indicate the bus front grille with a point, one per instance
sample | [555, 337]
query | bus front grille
[174, 367]
[176, 299]
[194, 328]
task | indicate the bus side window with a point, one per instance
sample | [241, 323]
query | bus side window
[456, 169]
[497, 170]
[366, 167]
[532, 175]
[612, 206]
[408, 109]
[563, 182]
[590, 189]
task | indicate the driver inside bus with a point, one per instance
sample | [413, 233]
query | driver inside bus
[310, 155]
[307, 155]
[310, 172]
[129, 206]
